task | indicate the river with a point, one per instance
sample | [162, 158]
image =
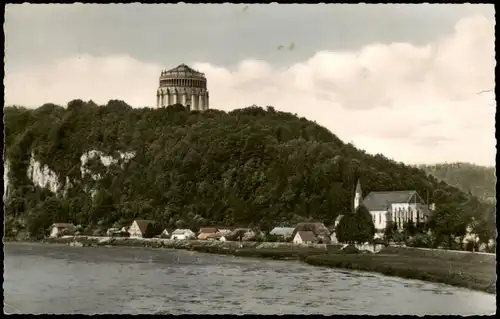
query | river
[55, 279]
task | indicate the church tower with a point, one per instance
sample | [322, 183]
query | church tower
[358, 195]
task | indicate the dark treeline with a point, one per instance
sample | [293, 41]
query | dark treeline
[251, 167]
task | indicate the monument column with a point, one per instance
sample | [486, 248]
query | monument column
[193, 102]
[167, 102]
[175, 101]
[157, 99]
[200, 102]
[184, 98]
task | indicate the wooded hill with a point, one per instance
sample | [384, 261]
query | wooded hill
[479, 180]
[251, 167]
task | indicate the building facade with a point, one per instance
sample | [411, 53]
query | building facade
[304, 237]
[141, 228]
[183, 85]
[183, 234]
[58, 228]
[398, 207]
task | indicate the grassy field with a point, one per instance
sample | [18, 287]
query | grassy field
[440, 254]
[280, 253]
[461, 273]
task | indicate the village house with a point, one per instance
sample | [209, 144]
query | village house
[304, 237]
[164, 234]
[205, 232]
[183, 234]
[142, 228]
[282, 232]
[219, 235]
[223, 231]
[57, 229]
[321, 233]
[216, 236]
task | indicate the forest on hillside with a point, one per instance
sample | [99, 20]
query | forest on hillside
[251, 167]
[479, 180]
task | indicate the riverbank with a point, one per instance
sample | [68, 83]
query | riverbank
[462, 269]
[277, 251]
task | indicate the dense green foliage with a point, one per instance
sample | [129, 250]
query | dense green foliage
[479, 180]
[250, 167]
[356, 227]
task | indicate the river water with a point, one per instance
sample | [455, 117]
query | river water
[53, 279]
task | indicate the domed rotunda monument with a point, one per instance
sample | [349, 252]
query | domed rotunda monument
[183, 85]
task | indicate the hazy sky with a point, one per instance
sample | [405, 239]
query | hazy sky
[402, 80]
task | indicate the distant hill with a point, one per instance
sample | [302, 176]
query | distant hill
[479, 180]
[250, 167]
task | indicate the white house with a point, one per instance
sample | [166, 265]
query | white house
[285, 232]
[304, 237]
[319, 230]
[183, 234]
[57, 228]
[398, 207]
[139, 228]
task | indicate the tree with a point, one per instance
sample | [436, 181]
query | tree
[356, 228]
[449, 223]
[390, 229]
[346, 229]
[409, 228]
[366, 228]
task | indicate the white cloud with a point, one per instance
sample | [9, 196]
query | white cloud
[412, 103]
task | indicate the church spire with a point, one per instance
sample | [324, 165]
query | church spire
[358, 195]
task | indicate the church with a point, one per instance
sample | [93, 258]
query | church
[183, 85]
[393, 206]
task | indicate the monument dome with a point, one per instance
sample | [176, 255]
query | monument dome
[183, 85]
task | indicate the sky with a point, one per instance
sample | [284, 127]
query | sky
[413, 82]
